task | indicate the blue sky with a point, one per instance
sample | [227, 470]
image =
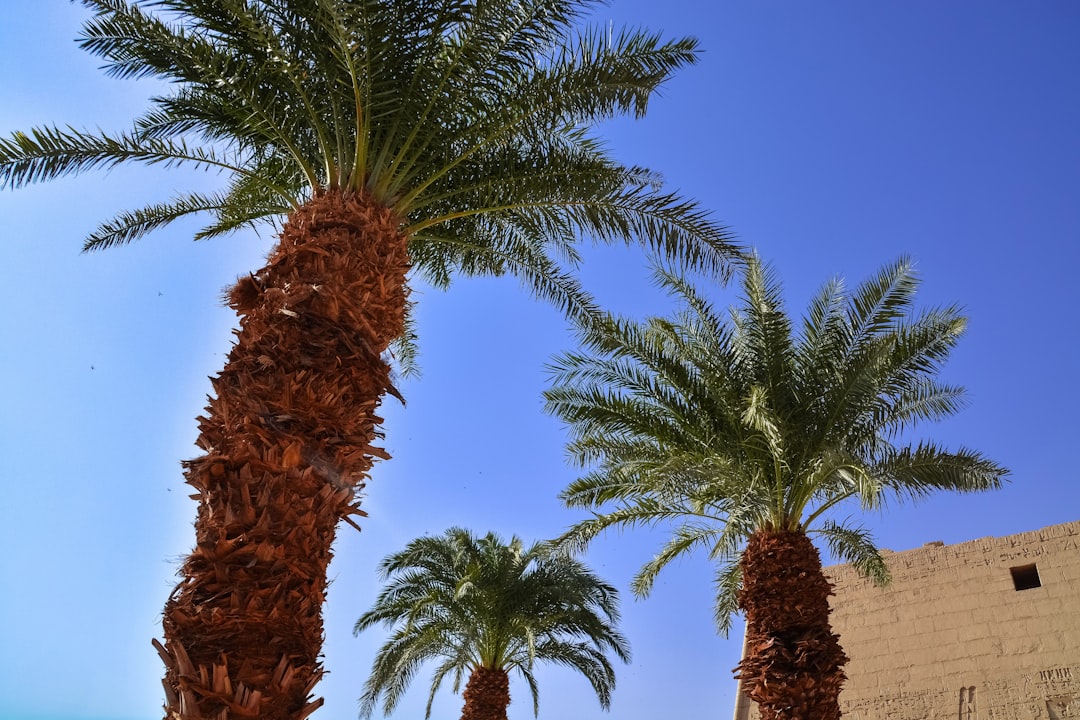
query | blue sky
[833, 136]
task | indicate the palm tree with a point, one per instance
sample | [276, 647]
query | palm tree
[485, 607]
[748, 439]
[449, 137]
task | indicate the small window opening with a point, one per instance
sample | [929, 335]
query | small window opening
[1025, 577]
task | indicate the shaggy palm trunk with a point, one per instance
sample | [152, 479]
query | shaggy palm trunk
[793, 667]
[288, 442]
[487, 695]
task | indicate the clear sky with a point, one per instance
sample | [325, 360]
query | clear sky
[833, 136]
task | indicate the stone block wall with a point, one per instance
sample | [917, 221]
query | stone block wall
[982, 630]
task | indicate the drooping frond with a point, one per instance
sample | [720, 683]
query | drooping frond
[855, 545]
[726, 586]
[130, 225]
[684, 540]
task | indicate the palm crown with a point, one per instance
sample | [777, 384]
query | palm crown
[732, 426]
[469, 119]
[481, 603]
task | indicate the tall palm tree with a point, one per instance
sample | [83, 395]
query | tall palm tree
[748, 438]
[483, 607]
[442, 136]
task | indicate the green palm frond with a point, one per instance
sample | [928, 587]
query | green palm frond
[534, 689]
[684, 540]
[726, 585]
[405, 350]
[914, 472]
[450, 665]
[128, 226]
[877, 303]
[589, 661]
[51, 152]
[855, 546]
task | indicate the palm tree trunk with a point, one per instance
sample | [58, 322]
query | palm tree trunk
[793, 667]
[487, 695]
[288, 442]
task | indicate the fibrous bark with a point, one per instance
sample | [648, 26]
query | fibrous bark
[288, 440]
[487, 695]
[793, 667]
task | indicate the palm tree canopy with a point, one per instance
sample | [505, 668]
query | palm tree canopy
[470, 118]
[728, 425]
[473, 602]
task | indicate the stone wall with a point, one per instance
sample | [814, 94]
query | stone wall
[982, 630]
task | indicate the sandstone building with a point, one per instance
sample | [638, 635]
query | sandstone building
[982, 630]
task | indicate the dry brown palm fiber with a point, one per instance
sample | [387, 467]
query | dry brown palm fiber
[289, 439]
[793, 668]
[487, 695]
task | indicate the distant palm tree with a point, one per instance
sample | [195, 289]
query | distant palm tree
[748, 439]
[449, 137]
[482, 607]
